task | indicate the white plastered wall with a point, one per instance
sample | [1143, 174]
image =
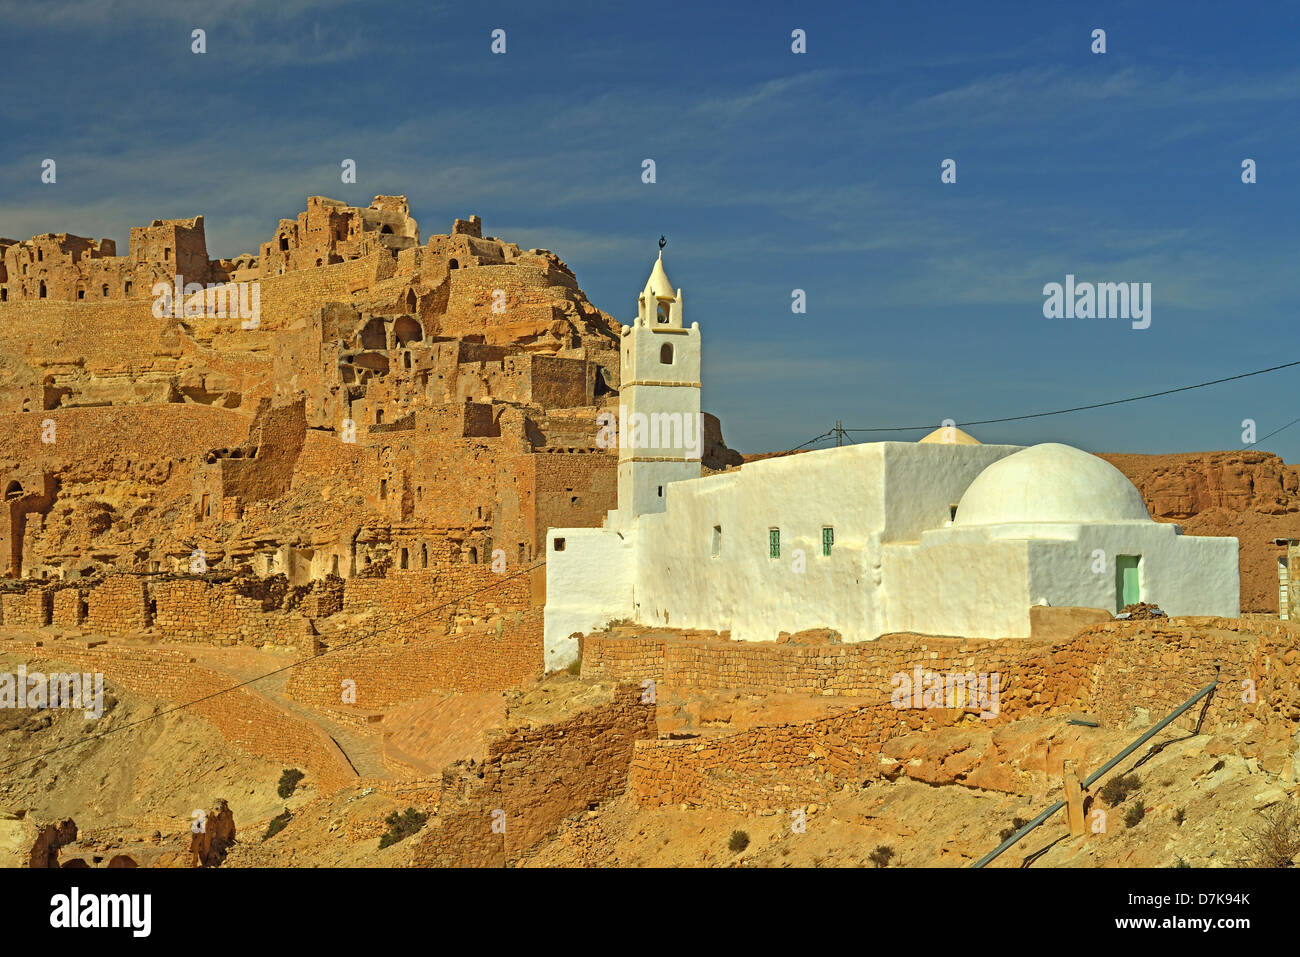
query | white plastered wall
[587, 585]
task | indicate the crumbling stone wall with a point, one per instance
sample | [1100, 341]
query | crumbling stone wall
[536, 777]
[247, 720]
[30, 608]
[488, 658]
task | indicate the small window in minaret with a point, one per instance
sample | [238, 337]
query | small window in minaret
[661, 491]
[666, 354]
[663, 312]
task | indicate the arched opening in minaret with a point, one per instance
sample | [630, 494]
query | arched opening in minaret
[663, 312]
[666, 354]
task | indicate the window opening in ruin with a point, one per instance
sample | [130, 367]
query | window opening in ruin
[379, 416]
[559, 545]
[334, 566]
[473, 555]
[666, 354]
[319, 263]
[81, 293]
[828, 540]
[575, 500]
[104, 290]
[387, 230]
[717, 541]
[406, 360]
[452, 264]
[126, 290]
[40, 255]
[42, 288]
[284, 243]
[167, 252]
[383, 488]
[204, 509]
[4, 295]
[403, 563]
[773, 543]
[12, 491]
[424, 555]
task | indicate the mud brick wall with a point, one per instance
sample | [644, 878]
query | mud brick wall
[119, 606]
[487, 659]
[70, 606]
[28, 609]
[246, 719]
[538, 776]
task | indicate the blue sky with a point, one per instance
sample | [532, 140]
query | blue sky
[775, 171]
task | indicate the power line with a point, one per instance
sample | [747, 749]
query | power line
[1095, 405]
[235, 687]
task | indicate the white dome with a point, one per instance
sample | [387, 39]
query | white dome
[1050, 483]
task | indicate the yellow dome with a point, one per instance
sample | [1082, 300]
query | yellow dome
[950, 435]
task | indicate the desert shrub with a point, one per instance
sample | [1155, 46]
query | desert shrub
[738, 841]
[1179, 862]
[575, 667]
[1275, 841]
[882, 855]
[402, 826]
[277, 824]
[1180, 816]
[1134, 815]
[1117, 790]
[1016, 824]
[288, 781]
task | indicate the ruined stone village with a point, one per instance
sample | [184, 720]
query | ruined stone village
[338, 535]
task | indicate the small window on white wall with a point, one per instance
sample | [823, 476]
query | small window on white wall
[666, 354]
[559, 545]
[717, 540]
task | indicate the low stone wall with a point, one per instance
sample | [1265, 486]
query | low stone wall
[118, 606]
[70, 606]
[409, 605]
[531, 779]
[486, 659]
[244, 718]
[31, 608]
[200, 611]
[1129, 673]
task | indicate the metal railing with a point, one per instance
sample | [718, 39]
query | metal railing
[1100, 772]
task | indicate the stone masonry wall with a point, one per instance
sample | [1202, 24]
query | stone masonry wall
[248, 721]
[491, 658]
[119, 606]
[537, 776]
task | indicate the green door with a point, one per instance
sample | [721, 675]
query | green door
[1126, 581]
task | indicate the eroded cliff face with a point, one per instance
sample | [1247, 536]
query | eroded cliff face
[1249, 495]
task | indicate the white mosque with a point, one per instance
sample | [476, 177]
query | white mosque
[944, 536]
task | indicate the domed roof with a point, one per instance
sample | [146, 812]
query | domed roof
[1050, 483]
[950, 435]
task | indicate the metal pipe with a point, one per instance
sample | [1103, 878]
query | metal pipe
[1096, 775]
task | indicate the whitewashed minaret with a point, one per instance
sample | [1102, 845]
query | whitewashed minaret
[660, 429]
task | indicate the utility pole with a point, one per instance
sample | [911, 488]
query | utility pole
[840, 434]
